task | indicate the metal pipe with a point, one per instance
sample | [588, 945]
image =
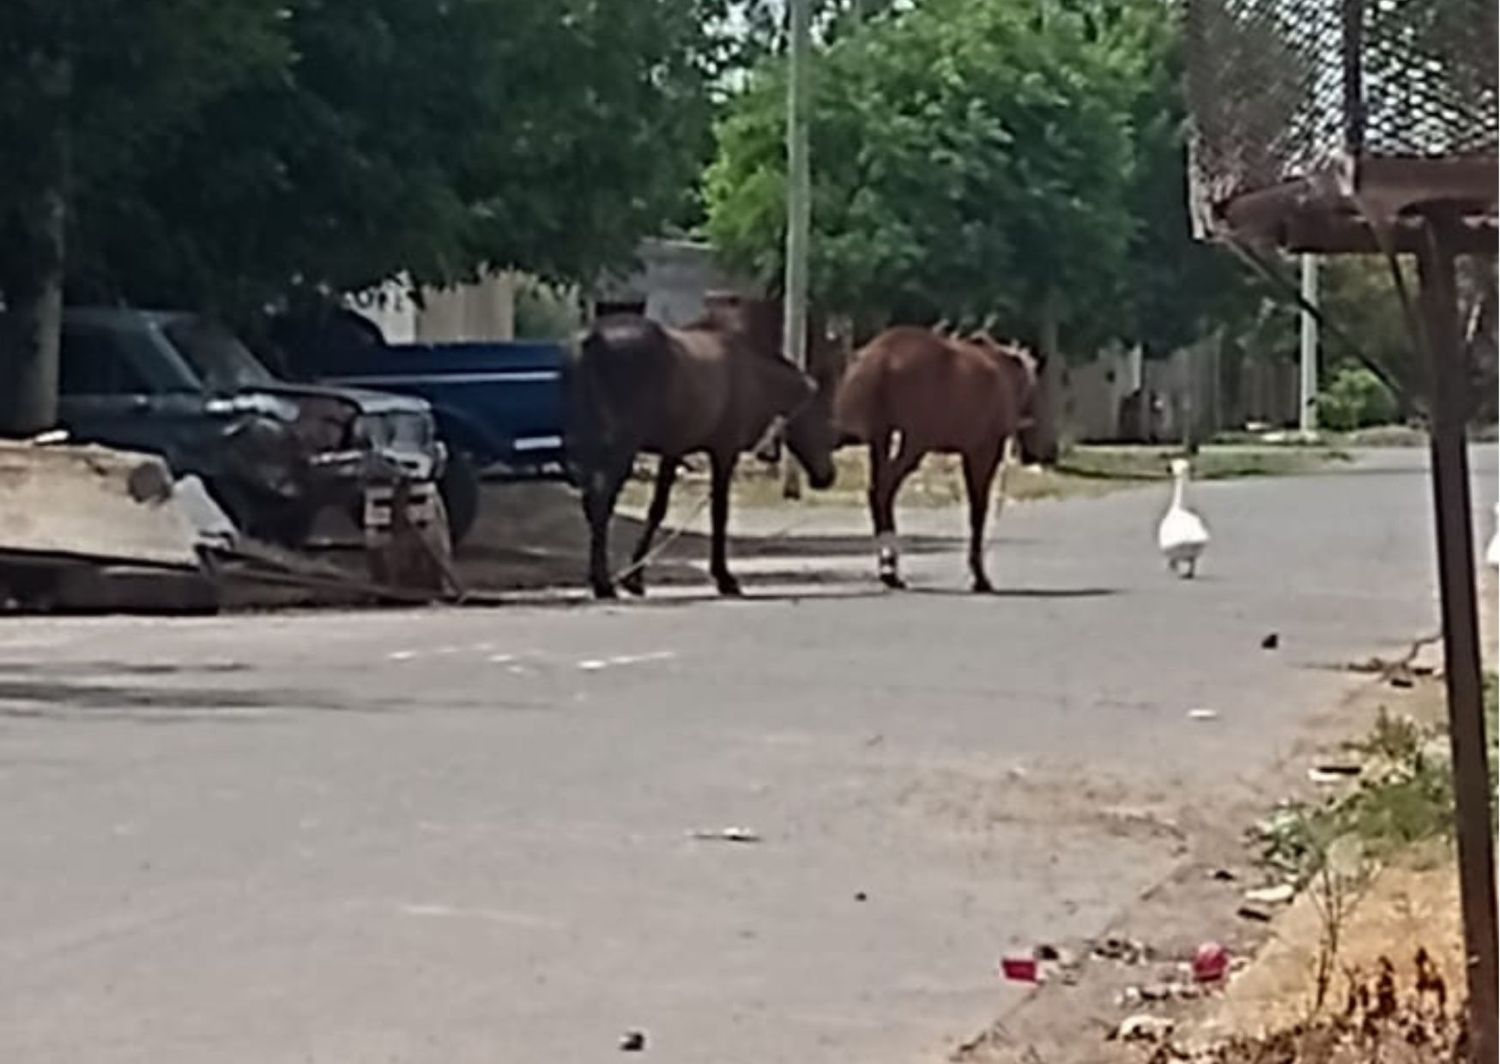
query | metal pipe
[798, 204]
[1461, 660]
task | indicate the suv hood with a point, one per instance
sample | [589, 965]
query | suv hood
[366, 402]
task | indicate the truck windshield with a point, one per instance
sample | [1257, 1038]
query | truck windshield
[224, 363]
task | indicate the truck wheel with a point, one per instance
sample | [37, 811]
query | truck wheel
[459, 488]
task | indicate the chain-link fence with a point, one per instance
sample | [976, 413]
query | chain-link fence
[1281, 90]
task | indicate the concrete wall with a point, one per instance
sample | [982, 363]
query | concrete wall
[672, 280]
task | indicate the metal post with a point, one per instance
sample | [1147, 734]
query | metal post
[1455, 541]
[1307, 419]
[798, 206]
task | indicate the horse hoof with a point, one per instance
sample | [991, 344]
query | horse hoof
[983, 587]
[605, 592]
[729, 586]
[892, 581]
[635, 584]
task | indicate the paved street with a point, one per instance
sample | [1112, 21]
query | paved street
[464, 835]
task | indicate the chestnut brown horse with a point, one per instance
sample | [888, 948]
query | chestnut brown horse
[911, 391]
[715, 386]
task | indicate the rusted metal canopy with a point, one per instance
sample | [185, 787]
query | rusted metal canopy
[1342, 126]
[1311, 118]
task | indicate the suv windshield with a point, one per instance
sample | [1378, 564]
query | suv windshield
[224, 363]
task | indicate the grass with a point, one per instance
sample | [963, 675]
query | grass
[1085, 471]
[1405, 796]
[1381, 436]
[1215, 462]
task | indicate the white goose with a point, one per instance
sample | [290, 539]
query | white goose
[1182, 534]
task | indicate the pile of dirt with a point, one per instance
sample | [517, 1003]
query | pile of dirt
[531, 535]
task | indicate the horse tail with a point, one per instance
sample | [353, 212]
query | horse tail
[860, 400]
[578, 400]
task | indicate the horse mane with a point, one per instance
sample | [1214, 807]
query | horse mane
[983, 338]
[1010, 348]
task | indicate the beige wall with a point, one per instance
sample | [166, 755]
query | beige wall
[472, 312]
[483, 311]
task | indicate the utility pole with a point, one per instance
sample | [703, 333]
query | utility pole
[798, 207]
[1307, 418]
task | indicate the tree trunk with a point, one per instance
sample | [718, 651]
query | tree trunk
[1048, 432]
[33, 289]
[29, 348]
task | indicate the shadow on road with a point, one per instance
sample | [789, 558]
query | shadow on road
[1019, 592]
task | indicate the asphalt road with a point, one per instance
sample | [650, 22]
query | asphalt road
[450, 836]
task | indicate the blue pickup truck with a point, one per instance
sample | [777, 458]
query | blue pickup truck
[499, 406]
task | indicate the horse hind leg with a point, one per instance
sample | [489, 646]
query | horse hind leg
[887, 471]
[634, 580]
[979, 475]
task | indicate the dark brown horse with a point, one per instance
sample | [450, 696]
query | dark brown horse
[635, 386]
[912, 390]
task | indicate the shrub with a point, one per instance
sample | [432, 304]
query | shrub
[1355, 399]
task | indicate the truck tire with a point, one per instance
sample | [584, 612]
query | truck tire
[459, 488]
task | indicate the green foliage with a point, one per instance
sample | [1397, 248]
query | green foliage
[1360, 300]
[972, 157]
[761, 24]
[90, 93]
[1404, 796]
[544, 311]
[1355, 399]
[226, 150]
[1179, 288]
[968, 157]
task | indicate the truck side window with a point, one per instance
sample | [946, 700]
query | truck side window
[92, 363]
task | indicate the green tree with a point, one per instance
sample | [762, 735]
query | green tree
[1178, 288]
[980, 157]
[221, 153]
[89, 92]
[968, 158]
[758, 27]
[434, 139]
[1366, 323]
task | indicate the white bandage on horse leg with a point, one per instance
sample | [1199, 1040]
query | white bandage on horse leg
[887, 550]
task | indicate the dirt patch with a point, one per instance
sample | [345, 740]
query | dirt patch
[971, 803]
[1084, 472]
[1408, 905]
